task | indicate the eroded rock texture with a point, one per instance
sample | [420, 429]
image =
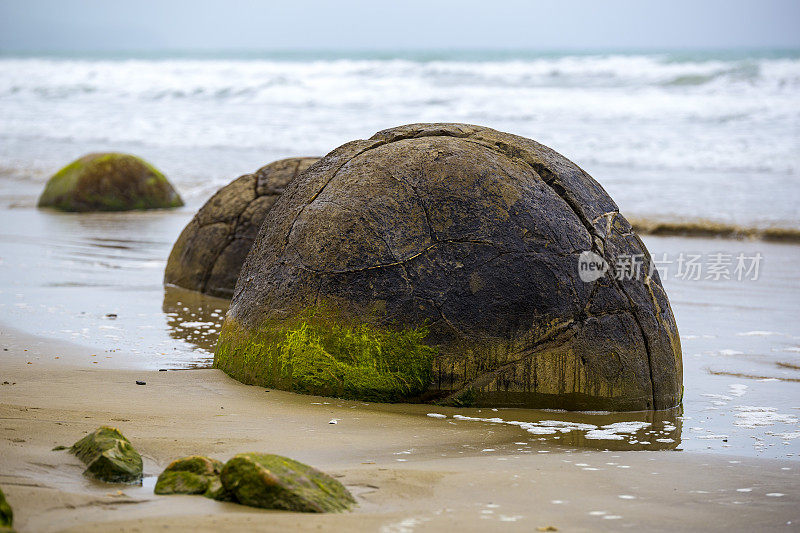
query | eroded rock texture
[209, 253]
[476, 234]
[276, 482]
[194, 474]
[109, 456]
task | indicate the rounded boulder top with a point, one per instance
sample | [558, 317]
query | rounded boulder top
[445, 263]
[211, 249]
[109, 182]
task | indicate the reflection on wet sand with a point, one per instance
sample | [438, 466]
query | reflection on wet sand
[642, 430]
[194, 317]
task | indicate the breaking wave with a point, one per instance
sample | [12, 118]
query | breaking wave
[680, 134]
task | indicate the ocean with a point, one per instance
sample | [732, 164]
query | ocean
[671, 135]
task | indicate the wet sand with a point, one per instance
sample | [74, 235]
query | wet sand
[409, 471]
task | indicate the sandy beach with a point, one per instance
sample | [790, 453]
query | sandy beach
[407, 470]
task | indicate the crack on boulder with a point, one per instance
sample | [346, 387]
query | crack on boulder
[442, 316]
[606, 214]
[230, 238]
[393, 263]
[554, 183]
[561, 191]
[211, 264]
[321, 189]
[421, 203]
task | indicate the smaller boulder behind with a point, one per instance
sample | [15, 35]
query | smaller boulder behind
[211, 249]
[109, 182]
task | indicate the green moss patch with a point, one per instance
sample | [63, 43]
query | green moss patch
[195, 474]
[109, 456]
[6, 514]
[276, 482]
[322, 354]
[181, 483]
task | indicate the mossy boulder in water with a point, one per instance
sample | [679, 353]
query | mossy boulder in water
[6, 514]
[109, 456]
[109, 182]
[209, 253]
[193, 475]
[322, 352]
[472, 237]
[275, 482]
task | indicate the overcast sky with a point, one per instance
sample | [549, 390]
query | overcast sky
[107, 25]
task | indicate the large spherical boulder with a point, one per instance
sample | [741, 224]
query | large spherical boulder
[458, 247]
[109, 182]
[210, 251]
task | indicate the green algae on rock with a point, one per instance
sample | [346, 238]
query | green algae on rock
[211, 249]
[275, 482]
[109, 456]
[109, 182]
[6, 514]
[476, 235]
[321, 353]
[195, 474]
[180, 482]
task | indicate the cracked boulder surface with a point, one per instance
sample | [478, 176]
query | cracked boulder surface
[476, 235]
[109, 182]
[209, 253]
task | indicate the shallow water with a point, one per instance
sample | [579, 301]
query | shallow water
[96, 279]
